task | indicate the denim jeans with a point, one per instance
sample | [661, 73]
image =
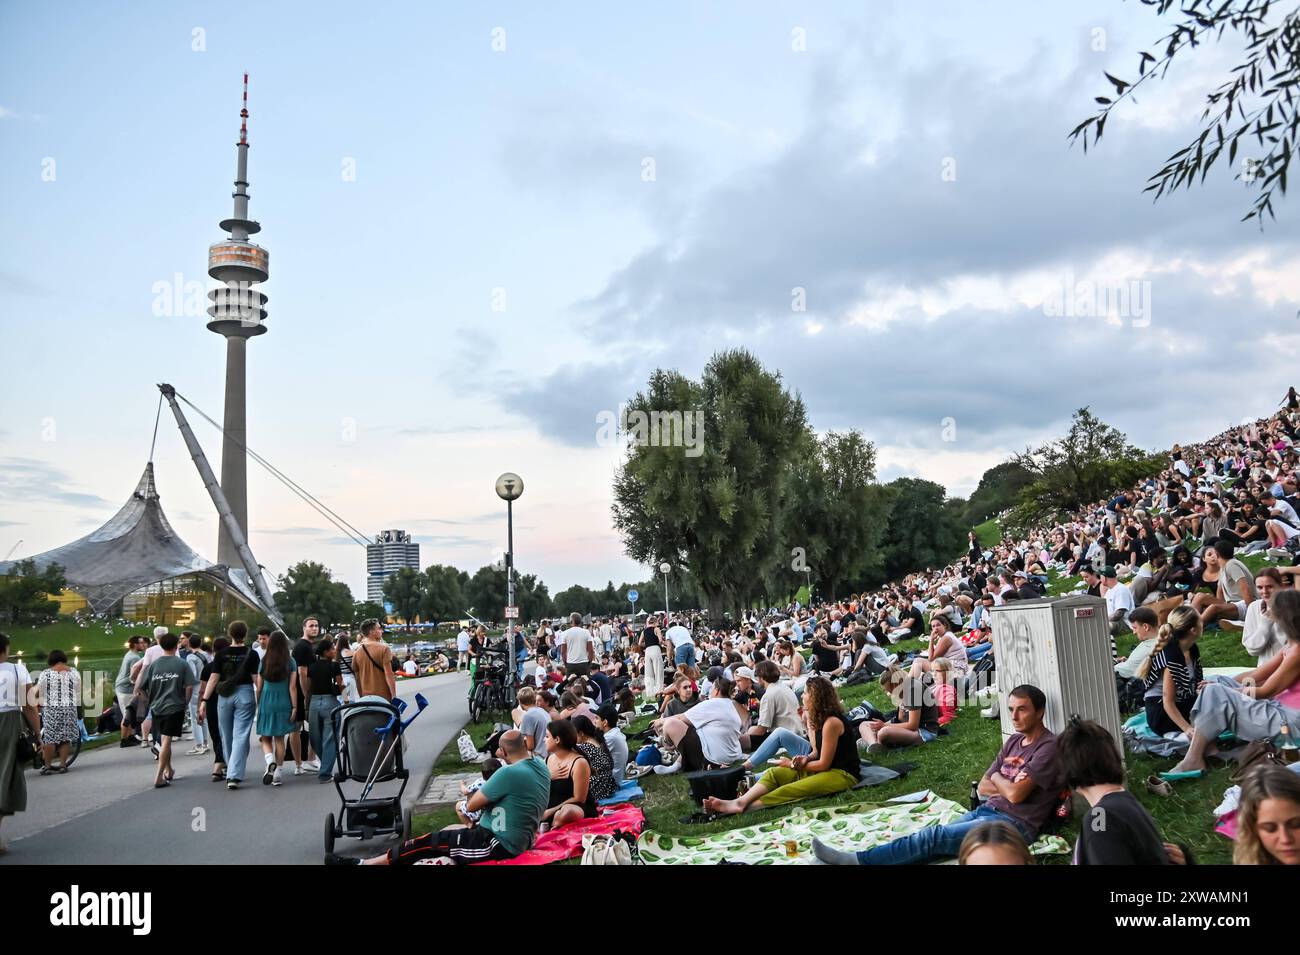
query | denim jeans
[321, 727]
[794, 744]
[521, 665]
[196, 701]
[935, 842]
[235, 715]
[684, 654]
[976, 616]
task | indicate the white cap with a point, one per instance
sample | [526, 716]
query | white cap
[743, 673]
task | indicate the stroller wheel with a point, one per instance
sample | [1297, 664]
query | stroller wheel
[329, 832]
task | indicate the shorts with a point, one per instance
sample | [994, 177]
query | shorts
[460, 845]
[927, 736]
[1241, 609]
[173, 724]
[578, 669]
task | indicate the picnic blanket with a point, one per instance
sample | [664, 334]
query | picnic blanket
[627, 791]
[556, 845]
[860, 825]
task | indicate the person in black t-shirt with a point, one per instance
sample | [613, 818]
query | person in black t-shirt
[826, 654]
[304, 655]
[1117, 829]
[324, 685]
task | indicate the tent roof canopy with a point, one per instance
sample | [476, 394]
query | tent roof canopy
[136, 547]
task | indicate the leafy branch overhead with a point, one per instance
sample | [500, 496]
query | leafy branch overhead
[1258, 103]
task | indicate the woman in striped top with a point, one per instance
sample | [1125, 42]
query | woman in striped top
[1172, 673]
[344, 659]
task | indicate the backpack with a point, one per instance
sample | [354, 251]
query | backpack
[722, 783]
[1130, 694]
[230, 672]
[616, 849]
[981, 673]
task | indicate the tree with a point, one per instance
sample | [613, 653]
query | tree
[366, 610]
[405, 590]
[1091, 462]
[25, 594]
[575, 599]
[999, 489]
[308, 587]
[1261, 92]
[444, 595]
[713, 505]
[923, 530]
[837, 523]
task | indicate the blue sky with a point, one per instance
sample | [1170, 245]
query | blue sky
[390, 387]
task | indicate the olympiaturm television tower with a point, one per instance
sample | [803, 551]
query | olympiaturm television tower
[237, 312]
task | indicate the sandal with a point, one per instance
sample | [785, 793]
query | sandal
[162, 785]
[1181, 777]
[1158, 787]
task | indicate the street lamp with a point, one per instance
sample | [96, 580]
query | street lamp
[664, 568]
[509, 488]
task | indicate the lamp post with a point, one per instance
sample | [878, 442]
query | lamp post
[664, 568]
[509, 488]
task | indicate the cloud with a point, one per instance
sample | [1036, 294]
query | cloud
[28, 481]
[564, 404]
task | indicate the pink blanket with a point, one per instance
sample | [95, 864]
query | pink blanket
[560, 844]
[1227, 825]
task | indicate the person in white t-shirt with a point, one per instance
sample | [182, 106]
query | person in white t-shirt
[1119, 600]
[577, 647]
[17, 715]
[462, 649]
[683, 644]
[709, 732]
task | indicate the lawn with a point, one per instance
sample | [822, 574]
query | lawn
[949, 765]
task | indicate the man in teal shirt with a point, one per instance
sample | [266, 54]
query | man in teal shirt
[512, 802]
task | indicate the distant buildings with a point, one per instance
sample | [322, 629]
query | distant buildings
[391, 551]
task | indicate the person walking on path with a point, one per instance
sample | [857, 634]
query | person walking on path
[209, 717]
[17, 717]
[168, 682]
[197, 662]
[372, 663]
[324, 684]
[233, 669]
[277, 703]
[124, 687]
[58, 700]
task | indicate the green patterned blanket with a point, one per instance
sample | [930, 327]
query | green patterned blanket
[860, 825]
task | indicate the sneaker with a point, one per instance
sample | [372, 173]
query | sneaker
[196, 751]
[332, 859]
[232, 783]
[668, 770]
[275, 777]
[299, 769]
[129, 742]
[1278, 552]
[271, 770]
[312, 764]
[989, 713]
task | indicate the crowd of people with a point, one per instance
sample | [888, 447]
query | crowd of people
[1165, 557]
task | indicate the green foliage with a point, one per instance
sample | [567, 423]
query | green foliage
[924, 529]
[444, 596]
[366, 610]
[487, 593]
[838, 517]
[308, 587]
[24, 595]
[999, 490]
[1092, 461]
[405, 590]
[719, 512]
[1256, 101]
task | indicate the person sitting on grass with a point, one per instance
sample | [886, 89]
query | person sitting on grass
[945, 690]
[571, 797]
[591, 743]
[519, 790]
[917, 718]
[683, 696]
[994, 843]
[707, 734]
[1268, 818]
[615, 741]
[943, 643]
[1022, 786]
[467, 816]
[1234, 590]
[831, 768]
[1172, 673]
[1117, 829]
[1254, 705]
[788, 659]
[777, 708]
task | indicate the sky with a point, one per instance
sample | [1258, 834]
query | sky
[488, 224]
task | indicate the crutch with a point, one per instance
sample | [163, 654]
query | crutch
[382, 732]
[420, 704]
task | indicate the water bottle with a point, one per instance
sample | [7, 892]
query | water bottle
[974, 794]
[1286, 747]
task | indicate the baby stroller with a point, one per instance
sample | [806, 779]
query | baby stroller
[369, 733]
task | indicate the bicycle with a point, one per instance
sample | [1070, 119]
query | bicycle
[492, 689]
[38, 761]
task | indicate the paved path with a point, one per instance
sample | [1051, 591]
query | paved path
[105, 810]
